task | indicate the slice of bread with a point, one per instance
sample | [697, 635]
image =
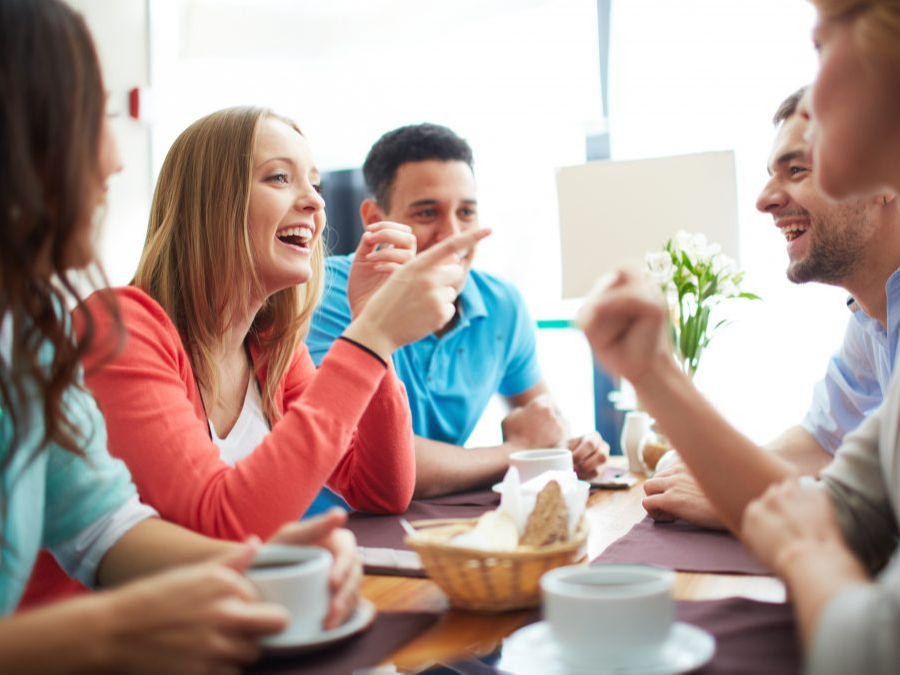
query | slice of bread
[494, 531]
[549, 522]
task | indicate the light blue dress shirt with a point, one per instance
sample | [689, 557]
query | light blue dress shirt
[52, 499]
[858, 374]
[449, 380]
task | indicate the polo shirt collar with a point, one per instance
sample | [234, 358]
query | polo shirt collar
[471, 301]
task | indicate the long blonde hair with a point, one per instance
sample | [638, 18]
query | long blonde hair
[876, 23]
[198, 261]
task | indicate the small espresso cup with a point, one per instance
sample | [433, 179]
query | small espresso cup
[531, 463]
[609, 615]
[295, 577]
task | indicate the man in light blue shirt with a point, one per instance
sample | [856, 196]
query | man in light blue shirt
[421, 176]
[858, 374]
[854, 244]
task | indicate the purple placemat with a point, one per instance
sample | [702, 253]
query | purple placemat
[386, 532]
[751, 636]
[683, 547]
[486, 497]
[389, 632]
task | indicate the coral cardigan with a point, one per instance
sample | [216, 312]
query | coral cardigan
[346, 425]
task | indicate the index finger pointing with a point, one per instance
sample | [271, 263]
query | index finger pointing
[458, 244]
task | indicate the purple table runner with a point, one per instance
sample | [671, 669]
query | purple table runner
[381, 537]
[751, 636]
[386, 532]
[485, 497]
[683, 547]
[389, 632]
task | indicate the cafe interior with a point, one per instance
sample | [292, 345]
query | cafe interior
[604, 133]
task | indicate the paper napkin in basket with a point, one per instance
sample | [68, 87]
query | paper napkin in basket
[518, 499]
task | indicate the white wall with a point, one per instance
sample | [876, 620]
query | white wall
[519, 79]
[120, 34]
[703, 75]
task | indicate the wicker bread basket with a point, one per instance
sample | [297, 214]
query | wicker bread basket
[489, 581]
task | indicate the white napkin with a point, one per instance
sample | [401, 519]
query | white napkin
[518, 499]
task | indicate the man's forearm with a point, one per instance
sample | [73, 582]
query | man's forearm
[729, 468]
[802, 450]
[443, 468]
[815, 575]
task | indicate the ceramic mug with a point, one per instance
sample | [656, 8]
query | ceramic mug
[532, 463]
[635, 432]
[609, 615]
[295, 577]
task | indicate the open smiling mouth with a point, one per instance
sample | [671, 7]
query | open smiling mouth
[295, 237]
[792, 232]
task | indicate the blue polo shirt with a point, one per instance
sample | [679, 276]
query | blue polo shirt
[449, 380]
[858, 374]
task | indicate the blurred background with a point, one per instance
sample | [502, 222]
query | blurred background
[533, 85]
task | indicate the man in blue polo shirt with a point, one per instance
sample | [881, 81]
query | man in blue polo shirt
[854, 244]
[421, 175]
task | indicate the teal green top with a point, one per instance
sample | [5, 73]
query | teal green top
[51, 499]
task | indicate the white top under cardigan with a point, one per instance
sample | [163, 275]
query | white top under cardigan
[247, 433]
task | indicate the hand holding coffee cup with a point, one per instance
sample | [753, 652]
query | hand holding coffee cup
[609, 615]
[345, 575]
[588, 453]
[295, 577]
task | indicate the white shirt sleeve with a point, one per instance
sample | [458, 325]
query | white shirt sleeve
[80, 556]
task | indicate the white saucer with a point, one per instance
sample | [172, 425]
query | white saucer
[287, 645]
[532, 651]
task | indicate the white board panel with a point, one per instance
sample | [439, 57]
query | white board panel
[613, 212]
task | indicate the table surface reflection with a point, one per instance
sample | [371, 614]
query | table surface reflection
[460, 634]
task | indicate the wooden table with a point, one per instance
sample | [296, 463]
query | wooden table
[460, 634]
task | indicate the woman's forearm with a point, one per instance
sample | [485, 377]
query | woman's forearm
[66, 637]
[730, 468]
[154, 545]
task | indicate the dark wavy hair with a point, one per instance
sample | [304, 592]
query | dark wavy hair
[50, 128]
[412, 143]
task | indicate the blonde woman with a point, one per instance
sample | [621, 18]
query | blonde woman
[834, 541]
[214, 403]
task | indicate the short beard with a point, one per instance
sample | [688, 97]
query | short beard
[836, 248]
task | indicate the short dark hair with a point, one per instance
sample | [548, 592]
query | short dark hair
[412, 143]
[788, 106]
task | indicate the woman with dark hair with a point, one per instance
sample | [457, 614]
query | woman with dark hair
[833, 541]
[58, 486]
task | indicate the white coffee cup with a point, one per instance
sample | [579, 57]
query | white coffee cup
[609, 615]
[531, 463]
[295, 577]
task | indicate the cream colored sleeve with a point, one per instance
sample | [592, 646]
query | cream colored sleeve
[856, 483]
